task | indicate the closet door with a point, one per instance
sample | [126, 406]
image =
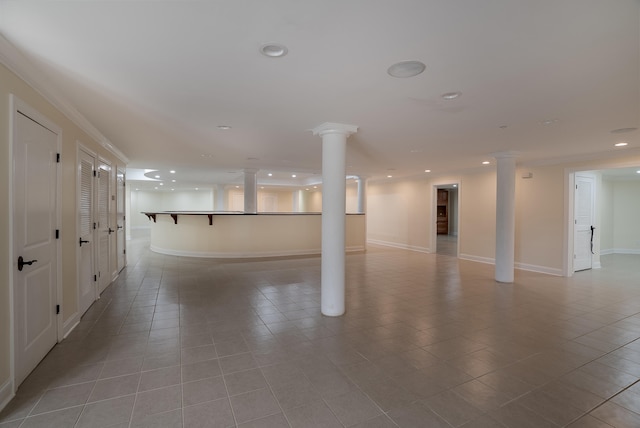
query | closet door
[86, 270]
[103, 227]
[120, 220]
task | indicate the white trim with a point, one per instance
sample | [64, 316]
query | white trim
[140, 227]
[624, 251]
[539, 269]
[82, 148]
[472, 258]
[244, 255]
[6, 393]
[71, 324]
[399, 245]
[607, 252]
[18, 64]
[17, 105]
[597, 265]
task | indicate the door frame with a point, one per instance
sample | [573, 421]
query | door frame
[433, 244]
[16, 105]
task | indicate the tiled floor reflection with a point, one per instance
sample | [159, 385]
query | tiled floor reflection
[427, 341]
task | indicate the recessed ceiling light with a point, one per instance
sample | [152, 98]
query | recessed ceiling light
[173, 190]
[237, 187]
[224, 127]
[549, 121]
[273, 50]
[451, 95]
[315, 187]
[137, 189]
[638, 171]
[389, 176]
[270, 175]
[486, 163]
[156, 188]
[162, 184]
[196, 188]
[172, 172]
[621, 144]
[173, 181]
[455, 185]
[293, 176]
[427, 170]
[623, 130]
[157, 176]
[404, 69]
[262, 187]
[306, 189]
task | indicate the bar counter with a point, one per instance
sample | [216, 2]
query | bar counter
[228, 234]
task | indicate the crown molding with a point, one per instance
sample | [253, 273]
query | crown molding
[15, 61]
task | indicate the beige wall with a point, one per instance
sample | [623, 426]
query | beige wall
[626, 216]
[399, 212]
[71, 134]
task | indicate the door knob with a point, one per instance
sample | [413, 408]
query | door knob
[82, 241]
[119, 227]
[21, 263]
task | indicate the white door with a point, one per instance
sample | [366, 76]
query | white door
[103, 228]
[86, 271]
[584, 229]
[237, 202]
[120, 220]
[34, 235]
[269, 203]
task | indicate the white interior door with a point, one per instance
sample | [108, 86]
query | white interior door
[86, 271]
[120, 220]
[584, 208]
[103, 228]
[34, 234]
[269, 203]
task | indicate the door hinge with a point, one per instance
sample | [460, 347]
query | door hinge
[57, 233]
[576, 187]
[124, 251]
[57, 157]
[57, 309]
[94, 226]
[575, 221]
[95, 278]
[94, 173]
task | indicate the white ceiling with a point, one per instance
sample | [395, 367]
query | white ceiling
[157, 78]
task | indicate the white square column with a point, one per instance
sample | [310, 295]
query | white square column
[505, 216]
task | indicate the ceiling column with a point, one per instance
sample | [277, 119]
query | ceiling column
[334, 145]
[505, 215]
[250, 191]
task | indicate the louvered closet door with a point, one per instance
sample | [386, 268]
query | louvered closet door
[87, 283]
[104, 229]
[120, 220]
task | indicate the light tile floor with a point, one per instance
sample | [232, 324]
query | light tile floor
[427, 341]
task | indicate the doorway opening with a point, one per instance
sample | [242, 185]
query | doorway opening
[445, 238]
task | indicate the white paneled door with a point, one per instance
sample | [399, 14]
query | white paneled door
[103, 227]
[86, 215]
[584, 230]
[121, 251]
[34, 243]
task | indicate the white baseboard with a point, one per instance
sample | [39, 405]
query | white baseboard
[246, 255]
[140, 227]
[539, 269]
[397, 245]
[520, 266]
[607, 252]
[69, 325]
[472, 258]
[626, 251]
[6, 393]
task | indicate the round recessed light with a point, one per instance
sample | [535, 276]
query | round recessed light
[237, 187]
[224, 127]
[638, 171]
[173, 181]
[427, 170]
[157, 176]
[137, 189]
[404, 69]
[315, 187]
[486, 163]
[623, 130]
[262, 187]
[196, 188]
[293, 176]
[621, 144]
[455, 185]
[156, 188]
[389, 176]
[306, 189]
[549, 121]
[172, 171]
[173, 190]
[273, 50]
[270, 175]
[451, 95]
[162, 184]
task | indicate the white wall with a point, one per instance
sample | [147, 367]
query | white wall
[605, 203]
